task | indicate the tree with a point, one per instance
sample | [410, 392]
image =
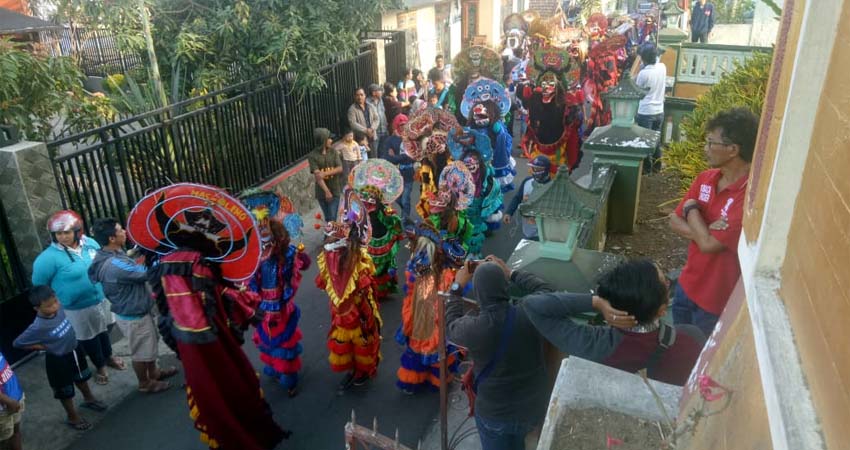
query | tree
[203, 45]
[43, 96]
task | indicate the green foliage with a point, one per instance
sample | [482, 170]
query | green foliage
[44, 97]
[733, 11]
[745, 86]
[216, 43]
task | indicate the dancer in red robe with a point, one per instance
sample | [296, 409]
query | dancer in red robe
[205, 242]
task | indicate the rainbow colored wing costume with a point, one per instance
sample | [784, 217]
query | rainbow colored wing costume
[379, 183]
[419, 330]
[278, 337]
[354, 339]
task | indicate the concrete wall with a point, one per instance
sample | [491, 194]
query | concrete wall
[299, 185]
[727, 359]
[29, 193]
[426, 32]
[490, 21]
[815, 284]
[765, 25]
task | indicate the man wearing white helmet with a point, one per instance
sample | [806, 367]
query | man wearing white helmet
[64, 266]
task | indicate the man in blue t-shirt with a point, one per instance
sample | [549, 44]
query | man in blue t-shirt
[11, 406]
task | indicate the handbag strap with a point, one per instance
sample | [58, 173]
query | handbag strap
[666, 339]
[507, 332]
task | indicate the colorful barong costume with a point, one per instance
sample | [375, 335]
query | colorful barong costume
[485, 212]
[469, 65]
[379, 183]
[485, 103]
[347, 274]
[278, 337]
[431, 269]
[438, 252]
[424, 139]
[207, 241]
[555, 106]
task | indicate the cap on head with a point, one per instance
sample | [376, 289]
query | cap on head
[541, 162]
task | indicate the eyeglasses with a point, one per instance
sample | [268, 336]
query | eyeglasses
[709, 144]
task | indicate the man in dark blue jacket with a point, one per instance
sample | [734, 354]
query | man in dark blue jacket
[123, 282]
[392, 152]
[702, 21]
[539, 174]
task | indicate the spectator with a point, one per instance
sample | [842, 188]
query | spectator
[64, 266]
[416, 104]
[363, 117]
[710, 216]
[650, 114]
[636, 339]
[406, 88]
[539, 171]
[11, 407]
[439, 95]
[392, 107]
[392, 152]
[445, 71]
[349, 150]
[64, 360]
[123, 280]
[506, 350]
[376, 99]
[421, 84]
[702, 21]
[326, 167]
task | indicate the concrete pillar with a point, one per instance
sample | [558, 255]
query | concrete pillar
[29, 193]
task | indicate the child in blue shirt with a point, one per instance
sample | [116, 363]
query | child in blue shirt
[64, 360]
[11, 407]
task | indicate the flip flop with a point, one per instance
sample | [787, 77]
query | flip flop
[167, 373]
[101, 379]
[82, 425]
[95, 405]
[157, 387]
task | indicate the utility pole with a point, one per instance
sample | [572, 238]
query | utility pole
[154, 65]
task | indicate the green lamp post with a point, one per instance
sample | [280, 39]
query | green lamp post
[565, 214]
[625, 145]
[674, 30]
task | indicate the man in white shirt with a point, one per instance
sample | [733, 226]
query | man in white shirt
[653, 78]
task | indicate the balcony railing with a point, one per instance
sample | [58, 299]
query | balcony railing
[706, 63]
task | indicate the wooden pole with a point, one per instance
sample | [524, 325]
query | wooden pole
[444, 389]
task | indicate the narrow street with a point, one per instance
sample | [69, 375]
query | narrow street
[318, 414]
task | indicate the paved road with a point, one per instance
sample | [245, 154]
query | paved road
[317, 415]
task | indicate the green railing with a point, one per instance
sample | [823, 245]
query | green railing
[706, 63]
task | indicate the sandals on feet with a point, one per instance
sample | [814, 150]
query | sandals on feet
[94, 405]
[166, 373]
[155, 387]
[101, 379]
[82, 425]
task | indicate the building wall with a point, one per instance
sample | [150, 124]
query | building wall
[772, 116]
[815, 284]
[742, 423]
[490, 22]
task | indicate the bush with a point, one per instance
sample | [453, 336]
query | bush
[744, 86]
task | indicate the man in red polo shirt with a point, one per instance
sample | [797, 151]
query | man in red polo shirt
[711, 215]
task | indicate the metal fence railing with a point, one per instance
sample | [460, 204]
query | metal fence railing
[96, 51]
[395, 52]
[234, 138]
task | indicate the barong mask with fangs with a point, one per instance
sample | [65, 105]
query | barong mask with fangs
[372, 197]
[472, 164]
[481, 115]
[439, 201]
[549, 86]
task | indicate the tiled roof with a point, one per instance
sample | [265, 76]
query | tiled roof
[12, 22]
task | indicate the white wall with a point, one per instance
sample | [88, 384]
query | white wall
[426, 32]
[765, 25]
[731, 34]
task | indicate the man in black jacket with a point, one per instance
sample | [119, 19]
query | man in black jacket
[702, 21]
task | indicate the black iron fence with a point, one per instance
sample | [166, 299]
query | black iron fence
[97, 51]
[395, 51]
[234, 138]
